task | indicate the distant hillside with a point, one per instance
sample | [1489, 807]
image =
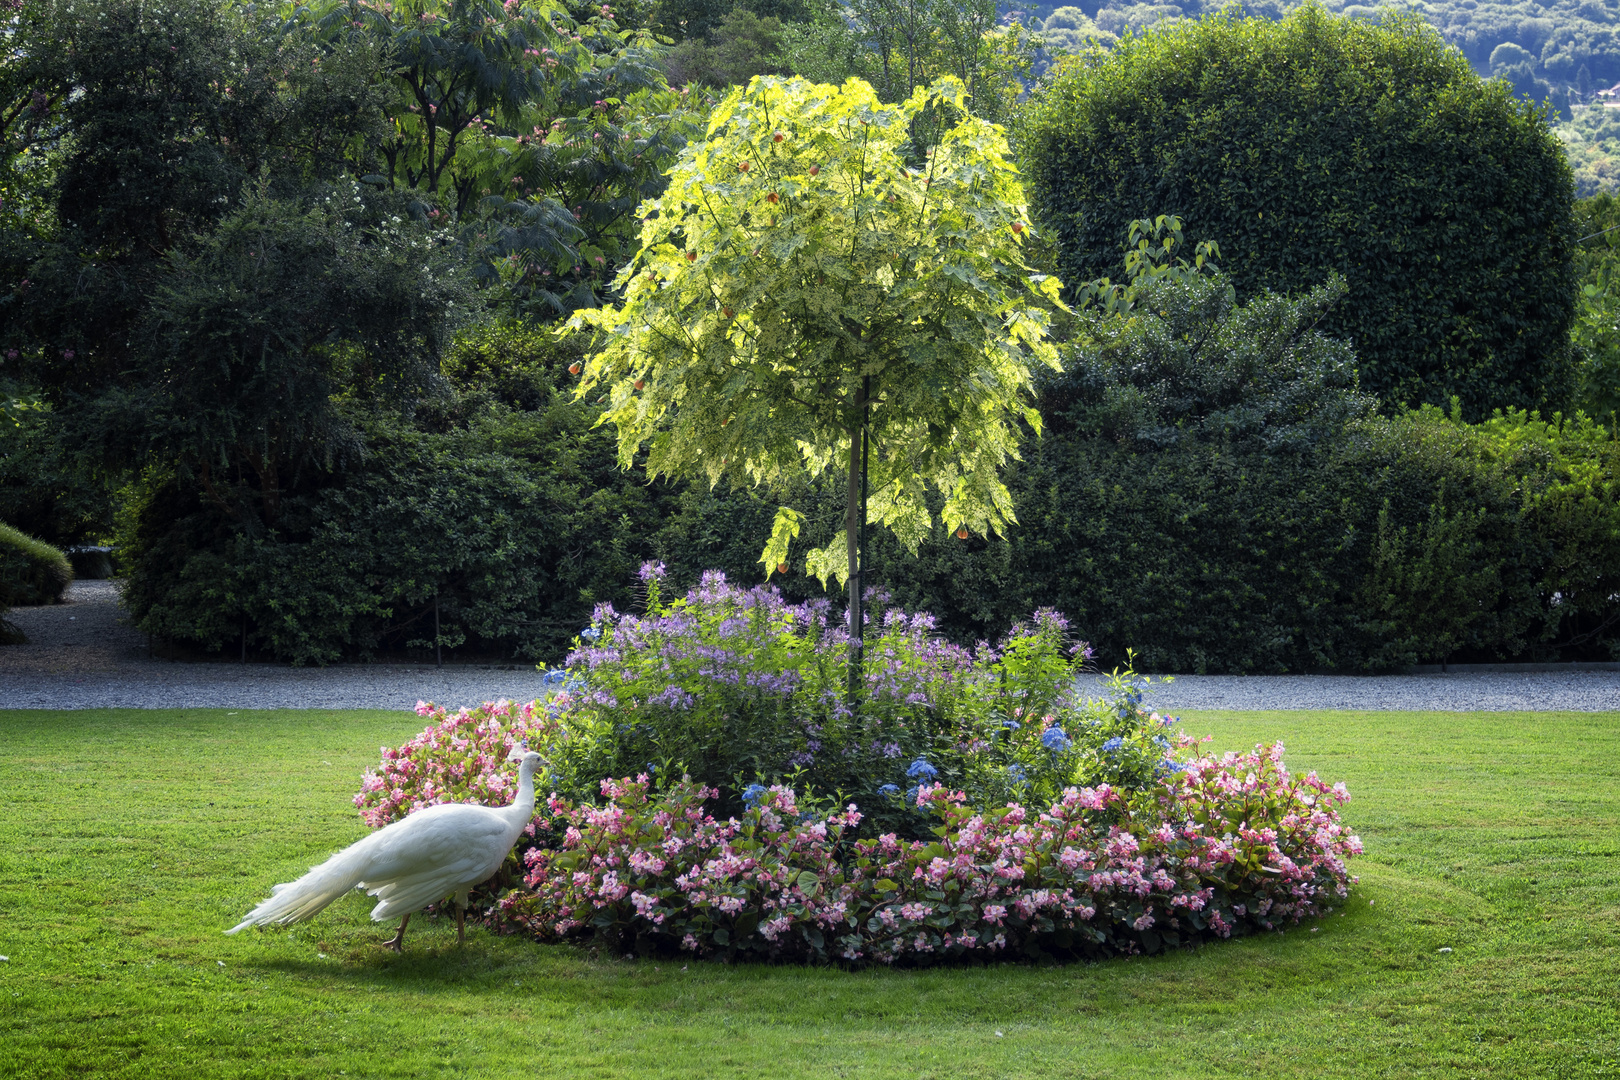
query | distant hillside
[1554, 41]
[1592, 140]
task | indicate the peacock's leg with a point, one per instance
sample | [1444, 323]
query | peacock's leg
[461, 917]
[397, 942]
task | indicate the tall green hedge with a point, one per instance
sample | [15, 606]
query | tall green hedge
[1321, 145]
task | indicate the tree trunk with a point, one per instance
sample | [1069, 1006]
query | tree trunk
[855, 543]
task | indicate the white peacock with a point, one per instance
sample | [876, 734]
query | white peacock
[436, 852]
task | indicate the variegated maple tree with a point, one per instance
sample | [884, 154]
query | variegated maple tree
[808, 296]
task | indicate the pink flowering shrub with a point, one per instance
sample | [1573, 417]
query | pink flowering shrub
[459, 757]
[1224, 846]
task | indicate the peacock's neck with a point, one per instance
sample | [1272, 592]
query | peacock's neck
[522, 808]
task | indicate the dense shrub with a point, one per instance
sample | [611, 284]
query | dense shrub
[351, 569]
[1320, 145]
[1211, 490]
[1214, 491]
[31, 571]
[1596, 333]
[508, 529]
[1408, 540]
[1560, 579]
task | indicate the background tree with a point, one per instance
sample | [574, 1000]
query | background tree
[741, 46]
[1068, 29]
[166, 110]
[900, 45]
[284, 309]
[240, 242]
[1321, 145]
[804, 300]
[537, 133]
[1596, 333]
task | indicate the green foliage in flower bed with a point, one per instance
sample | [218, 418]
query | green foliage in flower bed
[736, 688]
[817, 854]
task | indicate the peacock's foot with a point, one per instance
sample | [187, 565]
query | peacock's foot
[397, 942]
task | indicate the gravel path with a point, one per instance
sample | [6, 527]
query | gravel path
[80, 656]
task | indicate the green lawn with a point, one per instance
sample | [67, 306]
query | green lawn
[130, 839]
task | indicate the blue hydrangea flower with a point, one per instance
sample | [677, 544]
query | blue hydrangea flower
[1016, 774]
[1113, 744]
[911, 795]
[752, 794]
[554, 677]
[590, 633]
[1161, 742]
[1011, 725]
[1054, 739]
[921, 770]
[889, 791]
[1170, 765]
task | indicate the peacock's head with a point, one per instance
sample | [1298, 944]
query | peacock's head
[527, 758]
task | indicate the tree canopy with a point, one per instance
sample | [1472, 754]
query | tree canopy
[801, 281]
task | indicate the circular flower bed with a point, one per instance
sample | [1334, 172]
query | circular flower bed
[972, 804]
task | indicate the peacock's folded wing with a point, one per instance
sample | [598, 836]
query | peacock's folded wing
[433, 853]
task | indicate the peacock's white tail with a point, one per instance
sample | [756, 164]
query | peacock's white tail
[294, 901]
